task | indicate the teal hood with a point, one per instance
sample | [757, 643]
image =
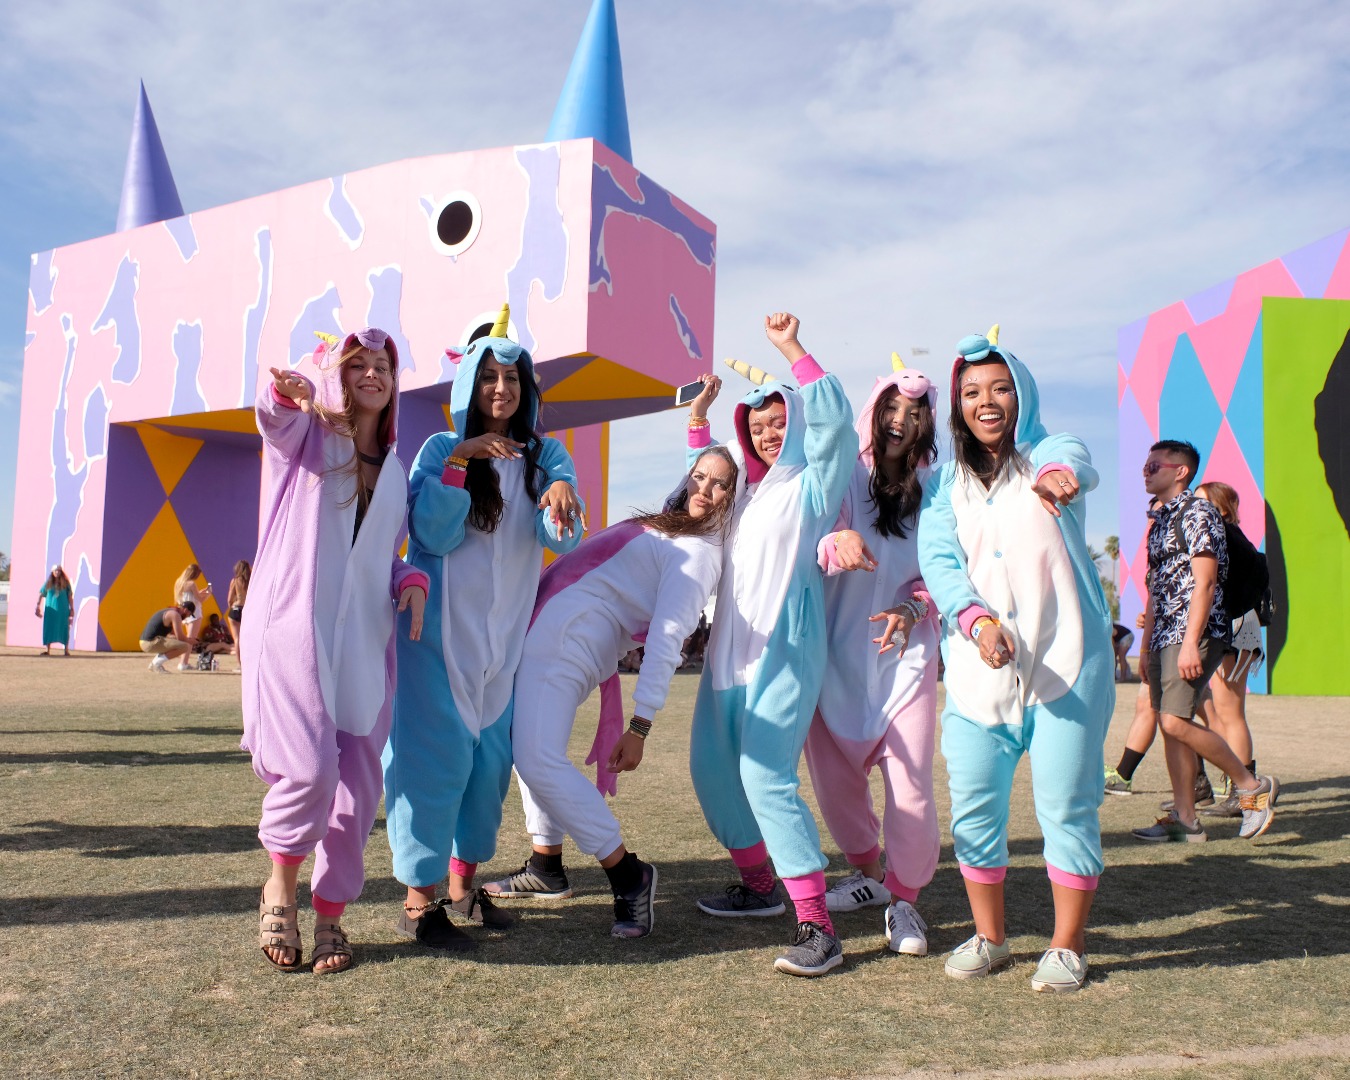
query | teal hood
[470, 359]
[793, 455]
[978, 348]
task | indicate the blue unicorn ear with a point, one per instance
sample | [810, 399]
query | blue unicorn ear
[973, 347]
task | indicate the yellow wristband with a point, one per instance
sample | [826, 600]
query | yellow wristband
[457, 462]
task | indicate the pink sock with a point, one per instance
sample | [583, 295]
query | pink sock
[286, 860]
[329, 909]
[808, 897]
[463, 869]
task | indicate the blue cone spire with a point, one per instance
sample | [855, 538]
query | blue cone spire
[148, 191]
[591, 105]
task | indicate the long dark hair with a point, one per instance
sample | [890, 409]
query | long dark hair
[480, 479]
[897, 502]
[57, 581]
[674, 520]
[969, 452]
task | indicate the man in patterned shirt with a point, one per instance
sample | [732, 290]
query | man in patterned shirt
[1186, 631]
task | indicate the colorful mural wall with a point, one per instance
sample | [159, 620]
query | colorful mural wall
[1256, 373]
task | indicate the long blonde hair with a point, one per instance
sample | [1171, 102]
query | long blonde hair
[190, 574]
[344, 422]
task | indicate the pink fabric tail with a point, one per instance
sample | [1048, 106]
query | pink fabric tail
[607, 733]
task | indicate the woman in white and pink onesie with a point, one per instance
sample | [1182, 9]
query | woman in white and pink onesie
[878, 702]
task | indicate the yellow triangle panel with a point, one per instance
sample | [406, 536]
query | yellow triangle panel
[169, 454]
[146, 582]
[242, 421]
[604, 380]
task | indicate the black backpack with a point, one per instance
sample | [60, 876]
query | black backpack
[1246, 586]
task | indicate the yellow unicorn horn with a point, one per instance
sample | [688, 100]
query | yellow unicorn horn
[754, 374]
[332, 340]
[503, 321]
[993, 334]
[896, 363]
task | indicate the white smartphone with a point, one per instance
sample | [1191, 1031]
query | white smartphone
[686, 393]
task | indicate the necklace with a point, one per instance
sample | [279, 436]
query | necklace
[371, 459]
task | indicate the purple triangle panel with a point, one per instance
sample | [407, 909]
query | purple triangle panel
[216, 502]
[1210, 302]
[133, 497]
[551, 372]
[558, 416]
[1128, 340]
[1311, 267]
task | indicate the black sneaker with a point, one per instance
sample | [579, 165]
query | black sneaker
[740, 901]
[529, 882]
[435, 930]
[477, 907]
[812, 952]
[635, 912]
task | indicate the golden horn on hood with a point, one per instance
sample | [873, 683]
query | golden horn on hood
[896, 363]
[499, 328]
[993, 334]
[754, 374]
[331, 340]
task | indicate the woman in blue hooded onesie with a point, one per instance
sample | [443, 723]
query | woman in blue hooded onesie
[766, 655]
[1027, 646]
[485, 500]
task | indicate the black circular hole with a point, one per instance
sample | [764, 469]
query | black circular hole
[454, 223]
[481, 331]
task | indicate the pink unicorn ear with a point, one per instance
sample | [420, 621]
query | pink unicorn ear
[455, 355]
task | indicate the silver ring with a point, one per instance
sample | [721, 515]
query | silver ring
[1064, 484]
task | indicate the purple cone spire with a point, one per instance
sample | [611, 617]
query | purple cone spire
[148, 191]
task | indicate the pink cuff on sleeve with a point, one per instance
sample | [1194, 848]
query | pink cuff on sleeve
[747, 858]
[1054, 467]
[700, 436]
[827, 555]
[967, 618]
[415, 580]
[1081, 882]
[984, 875]
[453, 477]
[282, 400]
[806, 370]
[863, 858]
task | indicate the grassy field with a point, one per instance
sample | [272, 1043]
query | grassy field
[131, 873]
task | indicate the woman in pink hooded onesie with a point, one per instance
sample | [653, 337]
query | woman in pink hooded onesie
[878, 702]
[318, 652]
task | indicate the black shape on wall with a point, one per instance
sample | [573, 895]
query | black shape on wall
[1331, 418]
[1278, 630]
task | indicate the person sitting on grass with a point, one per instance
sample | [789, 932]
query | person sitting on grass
[166, 636]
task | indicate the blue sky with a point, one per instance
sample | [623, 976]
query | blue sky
[898, 174]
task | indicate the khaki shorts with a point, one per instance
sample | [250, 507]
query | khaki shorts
[160, 645]
[1168, 692]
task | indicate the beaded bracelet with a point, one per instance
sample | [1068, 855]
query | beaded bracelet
[640, 727]
[917, 608]
[457, 462]
[698, 421]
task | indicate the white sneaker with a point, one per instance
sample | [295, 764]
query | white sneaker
[905, 930]
[157, 664]
[854, 892]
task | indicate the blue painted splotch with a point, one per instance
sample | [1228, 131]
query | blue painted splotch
[685, 331]
[67, 482]
[41, 281]
[386, 299]
[84, 586]
[119, 312]
[180, 228]
[187, 351]
[428, 207]
[317, 314]
[343, 214]
[28, 338]
[543, 237]
[255, 316]
[656, 205]
[96, 423]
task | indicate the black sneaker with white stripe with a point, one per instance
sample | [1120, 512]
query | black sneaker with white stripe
[635, 912]
[856, 891]
[813, 951]
[530, 882]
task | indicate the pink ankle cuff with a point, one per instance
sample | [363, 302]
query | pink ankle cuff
[747, 858]
[871, 855]
[806, 886]
[984, 875]
[1081, 882]
[286, 860]
[331, 909]
[905, 893]
[462, 869]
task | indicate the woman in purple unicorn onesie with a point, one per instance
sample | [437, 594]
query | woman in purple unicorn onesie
[318, 654]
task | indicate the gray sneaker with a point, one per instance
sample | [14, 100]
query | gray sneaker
[1061, 971]
[1117, 784]
[1258, 807]
[977, 957]
[530, 882]
[1169, 827]
[1204, 794]
[813, 951]
[634, 912]
[1229, 808]
[740, 902]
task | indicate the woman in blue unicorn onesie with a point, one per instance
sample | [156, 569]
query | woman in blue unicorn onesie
[766, 655]
[1027, 646]
[484, 502]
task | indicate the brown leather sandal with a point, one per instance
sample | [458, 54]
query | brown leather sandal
[330, 940]
[278, 928]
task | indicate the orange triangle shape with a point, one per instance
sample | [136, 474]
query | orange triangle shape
[169, 454]
[604, 380]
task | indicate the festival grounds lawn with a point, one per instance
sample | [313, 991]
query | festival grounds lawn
[129, 877]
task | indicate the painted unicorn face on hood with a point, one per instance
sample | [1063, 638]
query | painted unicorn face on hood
[370, 371]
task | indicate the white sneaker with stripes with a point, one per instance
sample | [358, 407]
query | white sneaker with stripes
[856, 891]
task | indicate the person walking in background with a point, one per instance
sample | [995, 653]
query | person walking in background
[1186, 635]
[185, 591]
[56, 608]
[234, 601]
